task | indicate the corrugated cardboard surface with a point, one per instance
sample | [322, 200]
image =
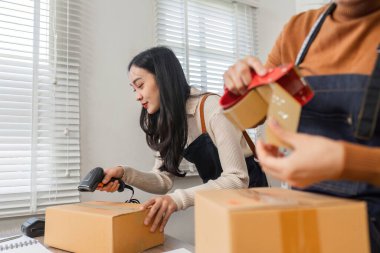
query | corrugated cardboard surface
[248, 112]
[276, 220]
[102, 227]
[286, 111]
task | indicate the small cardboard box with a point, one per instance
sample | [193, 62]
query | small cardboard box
[275, 220]
[102, 227]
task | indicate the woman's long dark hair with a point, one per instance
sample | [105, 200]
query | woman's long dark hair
[166, 130]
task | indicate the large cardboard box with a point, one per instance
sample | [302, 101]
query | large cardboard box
[275, 220]
[102, 227]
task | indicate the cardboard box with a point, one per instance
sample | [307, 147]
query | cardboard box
[102, 227]
[275, 220]
[286, 111]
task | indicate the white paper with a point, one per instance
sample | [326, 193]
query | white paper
[23, 244]
[181, 250]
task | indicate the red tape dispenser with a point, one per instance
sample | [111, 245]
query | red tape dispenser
[280, 94]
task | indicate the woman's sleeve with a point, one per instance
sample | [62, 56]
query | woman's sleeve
[155, 181]
[227, 140]
[361, 163]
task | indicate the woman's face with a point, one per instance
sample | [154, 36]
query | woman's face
[144, 85]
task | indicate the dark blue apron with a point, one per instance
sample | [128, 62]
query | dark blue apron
[204, 155]
[334, 113]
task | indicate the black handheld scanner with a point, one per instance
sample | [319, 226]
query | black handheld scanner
[94, 179]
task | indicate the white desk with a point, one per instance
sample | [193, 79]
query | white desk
[170, 244]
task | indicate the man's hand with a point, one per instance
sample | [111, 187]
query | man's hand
[313, 158]
[238, 76]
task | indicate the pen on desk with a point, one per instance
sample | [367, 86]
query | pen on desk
[10, 238]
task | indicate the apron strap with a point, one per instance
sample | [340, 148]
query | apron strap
[369, 110]
[201, 111]
[250, 143]
[204, 130]
[313, 33]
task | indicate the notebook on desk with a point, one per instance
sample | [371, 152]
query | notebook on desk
[22, 244]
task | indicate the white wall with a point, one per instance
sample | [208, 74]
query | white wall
[273, 14]
[303, 5]
[110, 134]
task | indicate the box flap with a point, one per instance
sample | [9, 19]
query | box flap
[101, 208]
[268, 198]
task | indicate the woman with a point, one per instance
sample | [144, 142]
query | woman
[180, 123]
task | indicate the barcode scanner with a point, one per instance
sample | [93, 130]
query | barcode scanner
[94, 179]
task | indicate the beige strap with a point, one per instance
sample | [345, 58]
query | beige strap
[203, 125]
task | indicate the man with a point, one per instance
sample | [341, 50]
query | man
[335, 49]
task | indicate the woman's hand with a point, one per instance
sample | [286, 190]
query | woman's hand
[238, 76]
[313, 158]
[116, 172]
[160, 210]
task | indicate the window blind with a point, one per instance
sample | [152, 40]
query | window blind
[39, 104]
[207, 37]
